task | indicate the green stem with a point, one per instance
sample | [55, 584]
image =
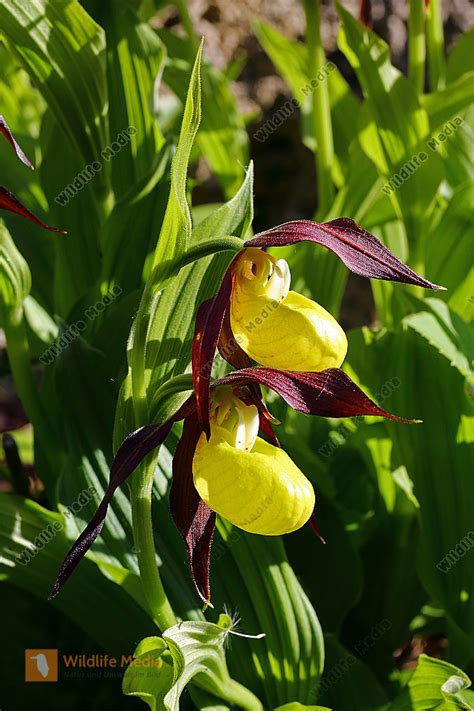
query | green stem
[416, 45]
[239, 695]
[435, 45]
[155, 596]
[321, 110]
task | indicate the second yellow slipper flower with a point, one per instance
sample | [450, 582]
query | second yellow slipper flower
[251, 483]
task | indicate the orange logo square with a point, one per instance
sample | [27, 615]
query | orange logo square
[41, 664]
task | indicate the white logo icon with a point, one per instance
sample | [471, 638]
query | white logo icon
[41, 664]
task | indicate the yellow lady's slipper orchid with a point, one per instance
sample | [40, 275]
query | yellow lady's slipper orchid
[277, 327]
[251, 483]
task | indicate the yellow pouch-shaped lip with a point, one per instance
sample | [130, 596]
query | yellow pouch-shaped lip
[261, 491]
[296, 334]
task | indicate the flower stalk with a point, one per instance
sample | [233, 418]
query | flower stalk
[141, 491]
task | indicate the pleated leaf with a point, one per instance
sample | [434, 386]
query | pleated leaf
[63, 51]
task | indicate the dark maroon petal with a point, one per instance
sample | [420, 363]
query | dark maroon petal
[9, 202]
[9, 136]
[129, 455]
[229, 347]
[360, 251]
[193, 518]
[365, 12]
[266, 427]
[209, 320]
[329, 393]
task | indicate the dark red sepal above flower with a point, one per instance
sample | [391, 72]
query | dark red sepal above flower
[360, 251]
[9, 136]
[130, 453]
[329, 393]
[11, 203]
[193, 518]
[209, 321]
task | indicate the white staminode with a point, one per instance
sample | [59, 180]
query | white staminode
[233, 420]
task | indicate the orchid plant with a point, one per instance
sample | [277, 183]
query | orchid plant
[221, 466]
[200, 406]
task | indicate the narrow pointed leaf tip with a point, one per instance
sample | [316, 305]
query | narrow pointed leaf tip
[131, 452]
[9, 202]
[193, 518]
[360, 251]
[9, 136]
[329, 393]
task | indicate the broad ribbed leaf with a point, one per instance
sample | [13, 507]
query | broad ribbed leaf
[252, 574]
[15, 282]
[62, 49]
[93, 601]
[447, 332]
[447, 103]
[449, 251]
[442, 444]
[435, 684]
[348, 683]
[135, 59]
[129, 234]
[393, 127]
[133, 450]
[360, 251]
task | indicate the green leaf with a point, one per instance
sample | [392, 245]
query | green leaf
[393, 125]
[439, 457]
[176, 228]
[347, 682]
[222, 137]
[77, 254]
[291, 60]
[252, 574]
[447, 332]
[448, 249]
[434, 685]
[188, 651]
[447, 103]
[63, 50]
[15, 279]
[460, 59]
[296, 706]
[33, 544]
[129, 234]
[135, 58]
[171, 321]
